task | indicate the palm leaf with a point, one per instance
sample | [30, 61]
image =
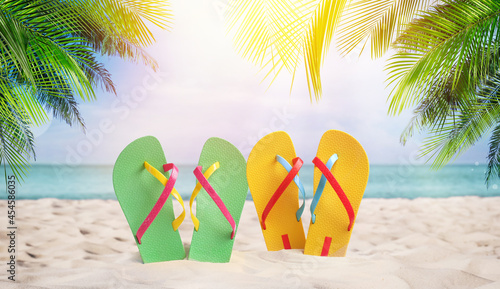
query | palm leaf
[461, 130]
[110, 46]
[48, 57]
[442, 105]
[377, 21]
[36, 61]
[62, 107]
[493, 170]
[277, 34]
[16, 143]
[318, 39]
[445, 41]
[269, 33]
[124, 18]
[447, 61]
[485, 117]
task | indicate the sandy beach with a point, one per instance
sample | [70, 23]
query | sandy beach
[396, 243]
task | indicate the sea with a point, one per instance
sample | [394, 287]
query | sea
[385, 181]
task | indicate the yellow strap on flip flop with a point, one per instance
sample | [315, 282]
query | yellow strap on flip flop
[197, 189]
[160, 177]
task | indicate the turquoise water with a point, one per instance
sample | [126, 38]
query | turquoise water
[386, 181]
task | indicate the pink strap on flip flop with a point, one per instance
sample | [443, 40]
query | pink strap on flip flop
[215, 197]
[338, 189]
[161, 201]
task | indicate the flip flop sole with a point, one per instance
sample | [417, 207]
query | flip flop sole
[212, 242]
[137, 191]
[265, 174]
[329, 232]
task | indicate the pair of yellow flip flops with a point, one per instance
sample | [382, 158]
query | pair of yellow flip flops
[340, 177]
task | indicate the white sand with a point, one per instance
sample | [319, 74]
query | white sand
[424, 243]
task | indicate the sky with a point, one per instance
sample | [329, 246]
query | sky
[205, 89]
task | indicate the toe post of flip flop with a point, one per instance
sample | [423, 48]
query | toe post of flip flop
[143, 185]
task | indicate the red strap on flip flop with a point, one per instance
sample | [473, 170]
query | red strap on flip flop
[161, 201]
[297, 164]
[336, 186]
[215, 197]
[326, 246]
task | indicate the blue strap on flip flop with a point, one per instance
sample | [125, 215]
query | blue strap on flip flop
[321, 187]
[297, 181]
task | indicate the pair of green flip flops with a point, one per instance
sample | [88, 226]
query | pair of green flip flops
[144, 185]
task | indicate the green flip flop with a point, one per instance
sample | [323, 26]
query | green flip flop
[222, 187]
[143, 193]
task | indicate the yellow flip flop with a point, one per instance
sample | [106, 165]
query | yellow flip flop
[271, 167]
[340, 177]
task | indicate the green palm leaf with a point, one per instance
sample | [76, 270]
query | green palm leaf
[48, 60]
[16, 143]
[444, 59]
[479, 119]
[455, 122]
[377, 21]
[493, 170]
[447, 40]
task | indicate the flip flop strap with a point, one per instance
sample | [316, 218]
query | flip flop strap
[160, 177]
[336, 186]
[169, 186]
[297, 182]
[321, 187]
[297, 164]
[197, 189]
[215, 197]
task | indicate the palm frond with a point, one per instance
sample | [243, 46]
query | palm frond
[444, 41]
[377, 21]
[16, 143]
[34, 59]
[48, 59]
[447, 62]
[277, 34]
[456, 136]
[469, 123]
[318, 39]
[493, 169]
[110, 46]
[123, 18]
[62, 107]
[442, 105]
[269, 33]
